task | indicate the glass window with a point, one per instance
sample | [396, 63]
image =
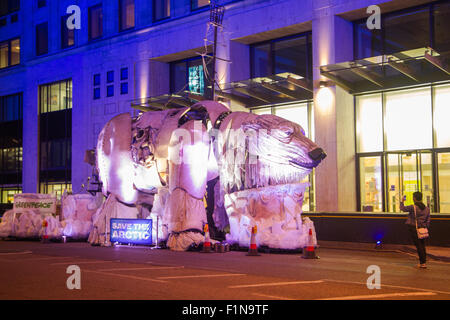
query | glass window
[369, 123]
[161, 9]
[15, 52]
[291, 56]
[95, 22]
[67, 36]
[124, 88]
[178, 76]
[124, 74]
[7, 194]
[41, 3]
[441, 27]
[368, 43]
[110, 91]
[260, 61]
[9, 6]
[110, 76]
[42, 38]
[195, 4]
[442, 116]
[126, 14]
[408, 119]
[96, 93]
[407, 31]
[371, 184]
[444, 182]
[262, 111]
[4, 51]
[296, 113]
[96, 79]
[56, 96]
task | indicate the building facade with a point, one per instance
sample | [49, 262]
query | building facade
[375, 98]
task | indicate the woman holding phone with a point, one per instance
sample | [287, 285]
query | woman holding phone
[418, 217]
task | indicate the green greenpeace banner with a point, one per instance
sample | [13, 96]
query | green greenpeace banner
[44, 203]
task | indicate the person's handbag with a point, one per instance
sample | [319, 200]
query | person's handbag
[422, 233]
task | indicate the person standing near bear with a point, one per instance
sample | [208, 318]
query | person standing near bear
[422, 213]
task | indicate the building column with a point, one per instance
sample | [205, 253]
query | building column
[30, 161]
[335, 183]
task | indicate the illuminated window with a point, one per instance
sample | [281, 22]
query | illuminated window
[297, 113]
[369, 123]
[56, 188]
[196, 79]
[7, 194]
[126, 14]
[261, 111]
[408, 119]
[9, 53]
[442, 116]
[196, 4]
[55, 124]
[371, 184]
[189, 75]
[409, 161]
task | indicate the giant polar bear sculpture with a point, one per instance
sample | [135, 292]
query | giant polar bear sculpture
[172, 154]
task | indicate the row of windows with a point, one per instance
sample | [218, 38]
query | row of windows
[95, 25]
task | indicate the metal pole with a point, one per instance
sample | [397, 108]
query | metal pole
[214, 64]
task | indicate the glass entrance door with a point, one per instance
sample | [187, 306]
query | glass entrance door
[406, 174]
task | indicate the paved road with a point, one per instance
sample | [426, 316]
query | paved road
[31, 270]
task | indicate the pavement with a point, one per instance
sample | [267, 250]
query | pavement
[433, 252]
[34, 271]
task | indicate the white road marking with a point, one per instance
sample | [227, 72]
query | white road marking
[269, 284]
[391, 286]
[46, 258]
[386, 295]
[124, 276]
[204, 276]
[13, 253]
[137, 269]
[269, 296]
[79, 262]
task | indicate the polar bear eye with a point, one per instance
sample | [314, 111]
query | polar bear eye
[288, 131]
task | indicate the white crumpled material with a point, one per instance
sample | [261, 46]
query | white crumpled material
[275, 211]
[6, 224]
[77, 214]
[111, 208]
[182, 241]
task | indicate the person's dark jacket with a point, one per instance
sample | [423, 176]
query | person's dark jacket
[422, 213]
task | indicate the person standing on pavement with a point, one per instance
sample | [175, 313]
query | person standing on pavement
[422, 214]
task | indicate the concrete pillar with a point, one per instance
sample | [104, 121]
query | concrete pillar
[333, 113]
[30, 167]
[233, 65]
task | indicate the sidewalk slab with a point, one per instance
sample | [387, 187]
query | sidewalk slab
[436, 253]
